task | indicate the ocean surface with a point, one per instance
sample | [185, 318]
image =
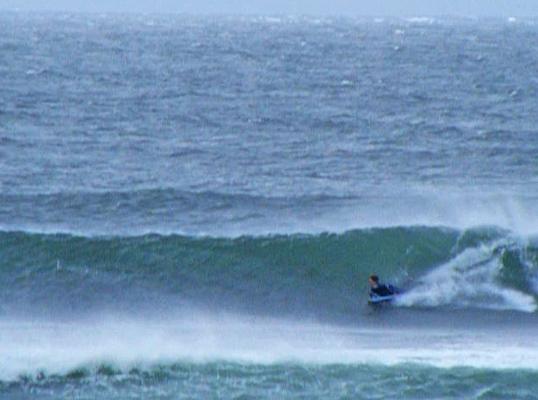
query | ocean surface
[190, 207]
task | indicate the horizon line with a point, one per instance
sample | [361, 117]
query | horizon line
[267, 14]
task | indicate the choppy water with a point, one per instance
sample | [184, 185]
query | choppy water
[190, 207]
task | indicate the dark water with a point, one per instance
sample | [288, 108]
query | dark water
[190, 207]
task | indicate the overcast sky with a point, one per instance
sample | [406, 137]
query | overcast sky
[341, 7]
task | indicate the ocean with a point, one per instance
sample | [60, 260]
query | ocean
[190, 207]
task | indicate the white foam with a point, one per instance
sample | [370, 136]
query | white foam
[29, 347]
[469, 280]
[421, 20]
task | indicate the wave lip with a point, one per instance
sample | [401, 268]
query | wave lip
[169, 211]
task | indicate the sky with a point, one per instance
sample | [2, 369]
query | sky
[517, 8]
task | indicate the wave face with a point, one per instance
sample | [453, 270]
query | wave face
[304, 275]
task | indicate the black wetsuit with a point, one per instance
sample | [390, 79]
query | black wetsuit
[382, 290]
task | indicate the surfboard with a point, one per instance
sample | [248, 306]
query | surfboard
[381, 299]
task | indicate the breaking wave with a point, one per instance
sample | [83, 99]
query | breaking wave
[318, 276]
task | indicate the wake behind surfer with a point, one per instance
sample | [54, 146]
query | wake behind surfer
[378, 289]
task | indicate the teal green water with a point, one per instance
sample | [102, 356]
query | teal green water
[287, 381]
[322, 276]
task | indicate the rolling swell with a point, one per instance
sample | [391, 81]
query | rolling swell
[299, 275]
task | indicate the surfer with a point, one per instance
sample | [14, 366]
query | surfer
[380, 289]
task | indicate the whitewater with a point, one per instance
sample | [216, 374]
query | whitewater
[190, 207]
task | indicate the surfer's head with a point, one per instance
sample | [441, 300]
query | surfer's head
[373, 280]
